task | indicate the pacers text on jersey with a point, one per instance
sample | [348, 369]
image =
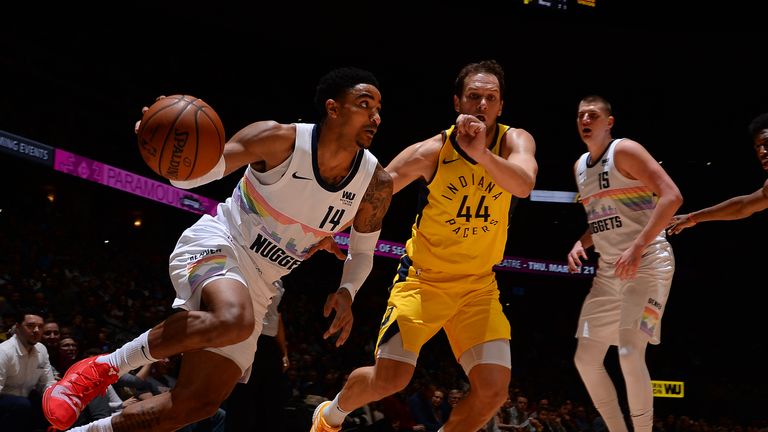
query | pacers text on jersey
[471, 210]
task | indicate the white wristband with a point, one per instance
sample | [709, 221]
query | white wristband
[216, 173]
[359, 260]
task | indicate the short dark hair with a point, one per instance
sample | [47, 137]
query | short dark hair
[545, 408]
[337, 82]
[598, 99]
[22, 312]
[759, 124]
[485, 66]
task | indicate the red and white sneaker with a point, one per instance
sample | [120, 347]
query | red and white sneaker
[84, 380]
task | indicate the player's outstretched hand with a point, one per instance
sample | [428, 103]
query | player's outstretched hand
[341, 303]
[679, 223]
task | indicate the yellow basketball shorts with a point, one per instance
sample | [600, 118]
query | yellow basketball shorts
[423, 302]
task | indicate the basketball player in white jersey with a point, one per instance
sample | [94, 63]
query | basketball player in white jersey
[738, 207]
[629, 199]
[469, 174]
[301, 184]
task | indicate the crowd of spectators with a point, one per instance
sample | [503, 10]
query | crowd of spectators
[93, 296]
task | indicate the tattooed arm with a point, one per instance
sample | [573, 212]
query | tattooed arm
[375, 202]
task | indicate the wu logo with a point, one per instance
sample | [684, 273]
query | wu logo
[347, 195]
[674, 389]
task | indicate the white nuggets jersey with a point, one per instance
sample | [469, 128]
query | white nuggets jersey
[618, 208]
[280, 222]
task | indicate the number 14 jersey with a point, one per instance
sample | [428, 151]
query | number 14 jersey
[281, 221]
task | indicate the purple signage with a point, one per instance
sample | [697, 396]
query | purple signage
[98, 172]
[515, 264]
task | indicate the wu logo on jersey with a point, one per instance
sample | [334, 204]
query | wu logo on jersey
[347, 197]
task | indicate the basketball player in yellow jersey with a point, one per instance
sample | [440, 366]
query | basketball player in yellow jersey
[469, 174]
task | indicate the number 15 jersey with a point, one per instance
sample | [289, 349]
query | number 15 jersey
[618, 208]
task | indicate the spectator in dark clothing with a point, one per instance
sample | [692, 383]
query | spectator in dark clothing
[51, 338]
[395, 408]
[429, 408]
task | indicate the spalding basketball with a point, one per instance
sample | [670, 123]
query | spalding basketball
[181, 137]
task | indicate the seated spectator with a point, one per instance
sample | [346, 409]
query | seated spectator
[547, 421]
[25, 372]
[502, 421]
[69, 353]
[454, 396]
[543, 403]
[519, 416]
[51, 339]
[6, 325]
[581, 419]
[396, 410]
[428, 407]
[161, 377]
[565, 413]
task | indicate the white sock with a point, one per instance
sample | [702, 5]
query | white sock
[100, 425]
[333, 414]
[130, 356]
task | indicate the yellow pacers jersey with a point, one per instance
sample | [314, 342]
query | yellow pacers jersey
[461, 226]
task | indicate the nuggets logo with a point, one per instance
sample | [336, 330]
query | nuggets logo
[270, 250]
[649, 320]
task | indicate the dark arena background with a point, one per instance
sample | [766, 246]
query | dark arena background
[685, 83]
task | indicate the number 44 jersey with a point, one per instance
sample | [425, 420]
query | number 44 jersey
[461, 225]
